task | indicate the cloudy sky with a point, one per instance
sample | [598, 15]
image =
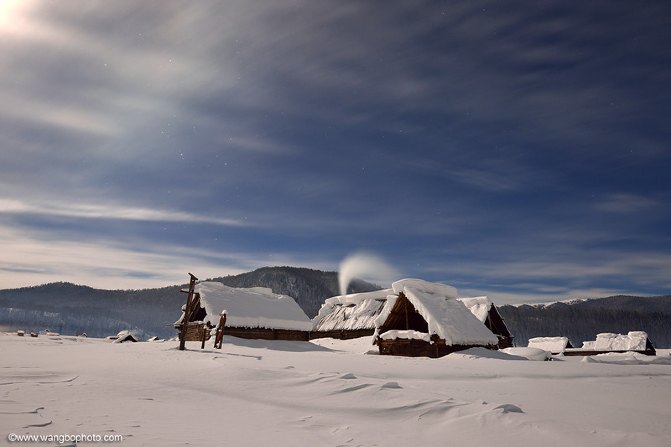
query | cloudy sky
[516, 149]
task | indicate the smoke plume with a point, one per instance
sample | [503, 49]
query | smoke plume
[366, 266]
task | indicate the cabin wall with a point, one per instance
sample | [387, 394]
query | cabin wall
[196, 332]
[267, 334]
[417, 348]
[343, 334]
[504, 342]
[404, 316]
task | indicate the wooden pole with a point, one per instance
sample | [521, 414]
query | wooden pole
[219, 335]
[187, 313]
[202, 343]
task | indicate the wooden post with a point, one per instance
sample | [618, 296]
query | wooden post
[202, 342]
[219, 335]
[187, 313]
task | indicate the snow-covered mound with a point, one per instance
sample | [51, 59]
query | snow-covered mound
[528, 353]
[633, 341]
[484, 353]
[555, 345]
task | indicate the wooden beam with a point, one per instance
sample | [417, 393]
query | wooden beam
[219, 335]
[407, 320]
[187, 313]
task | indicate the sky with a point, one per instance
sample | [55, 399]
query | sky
[515, 149]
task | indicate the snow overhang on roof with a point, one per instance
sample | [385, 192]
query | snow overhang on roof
[256, 307]
[479, 306]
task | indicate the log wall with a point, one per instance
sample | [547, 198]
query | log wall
[417, 348]
[194, 332]
[267, 334]
[343, 334]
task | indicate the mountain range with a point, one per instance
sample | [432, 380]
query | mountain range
[581, 320]
[74, 309]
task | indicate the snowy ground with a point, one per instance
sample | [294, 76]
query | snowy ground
[259, 393]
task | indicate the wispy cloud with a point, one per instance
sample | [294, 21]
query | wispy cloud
[554, 277]
[118, 264]
[627, 203]
[90, 211]
[443, 132]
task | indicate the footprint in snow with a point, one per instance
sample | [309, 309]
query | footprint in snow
[391, 386]
[41, 424]
[354, 388]
[348, 376]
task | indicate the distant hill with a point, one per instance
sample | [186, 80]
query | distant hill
[581, 320]
[72, 309]
[309, 287]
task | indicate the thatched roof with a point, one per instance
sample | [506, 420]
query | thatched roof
[351, 312]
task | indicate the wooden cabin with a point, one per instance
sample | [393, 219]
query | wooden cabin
[123, 337]
[553, 345]
[485, 311]
[634, 341]
[252, 313]
[349, 316]
[353, 316]
[425, 319]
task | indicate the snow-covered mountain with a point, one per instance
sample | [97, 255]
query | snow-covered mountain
[307, 286]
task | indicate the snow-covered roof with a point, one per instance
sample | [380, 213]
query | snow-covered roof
[124, 336]
[447, 317]
[351, 312]
[554, 345]
[633, 341]
[253, 307]
[479, 306]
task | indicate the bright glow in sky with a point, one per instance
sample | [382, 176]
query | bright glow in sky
[520, 151]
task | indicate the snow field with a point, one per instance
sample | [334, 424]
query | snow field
[299, 393]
